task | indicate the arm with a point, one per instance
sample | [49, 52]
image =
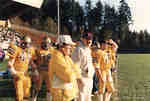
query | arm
[77, 71]
[12, 53]
[79, 59]
[62, 70]
[11, 67]
[114, 44]
[76, 57]
[34, 60]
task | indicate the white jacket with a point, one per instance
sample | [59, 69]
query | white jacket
[82, 57]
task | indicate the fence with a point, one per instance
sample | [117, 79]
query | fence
[133, 51]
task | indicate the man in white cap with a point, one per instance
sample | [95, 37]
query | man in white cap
[82, 57]
[63, 73]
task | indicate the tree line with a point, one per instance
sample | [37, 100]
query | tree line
[103, 20]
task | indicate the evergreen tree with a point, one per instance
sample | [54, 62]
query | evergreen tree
[125, 18]
[88, 18]
[111, 20]
[96, 15]
[78, 16]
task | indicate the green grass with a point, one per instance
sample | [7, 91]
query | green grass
[3, 65]
[134, 77]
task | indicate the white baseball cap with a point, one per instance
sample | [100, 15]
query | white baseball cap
[65, 39]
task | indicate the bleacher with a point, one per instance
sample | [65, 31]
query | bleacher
[6, 36]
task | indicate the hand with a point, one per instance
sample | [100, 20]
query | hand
[16, 77]
[111, 41]
[80, 84]
[36, 76]
[113, 70]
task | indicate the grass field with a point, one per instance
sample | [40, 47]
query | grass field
[133, 78]
[3, 65]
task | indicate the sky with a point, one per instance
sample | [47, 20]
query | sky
[140, 10]
[141, 14]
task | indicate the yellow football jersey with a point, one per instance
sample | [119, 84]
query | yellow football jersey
[112, 56]
[22, 57]
[31, 53]
[102, 58]
[12, 49]
[21, 60]
[66, 72]
[43, 57]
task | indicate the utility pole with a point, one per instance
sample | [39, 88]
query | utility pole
[58, 17]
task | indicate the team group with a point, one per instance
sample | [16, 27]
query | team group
[67, 68]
